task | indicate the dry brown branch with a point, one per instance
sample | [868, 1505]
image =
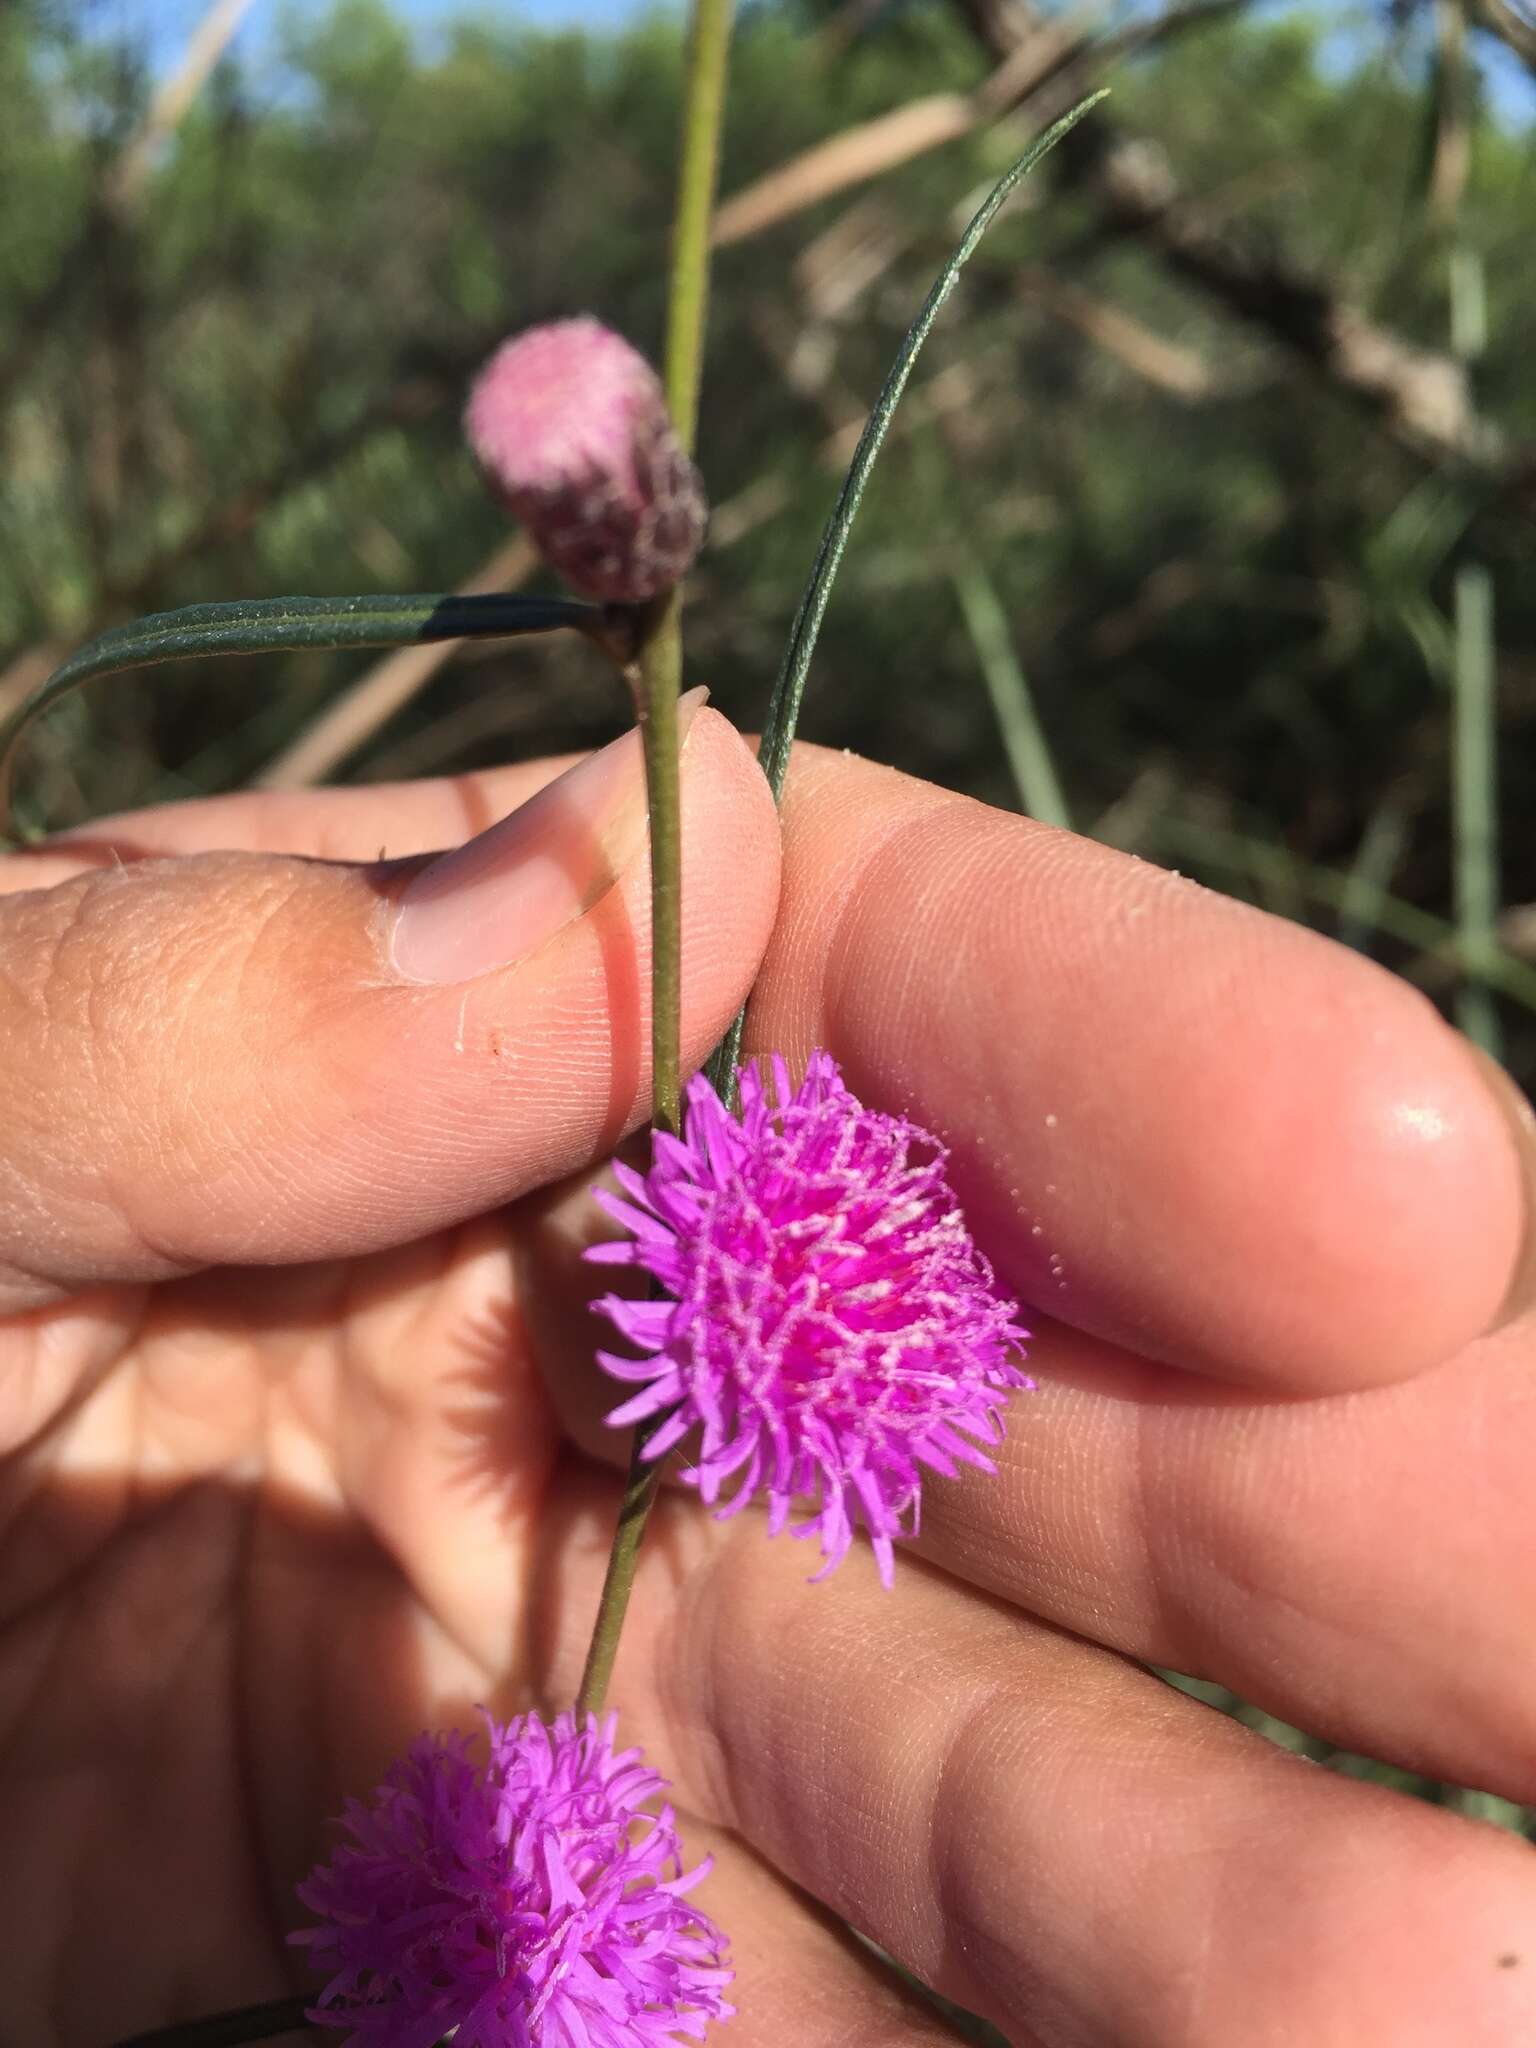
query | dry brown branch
[352, 719]
[846, 24]
[752, 506]
[852, 158]
[125, 182]
[1168, 365]
[1512, 24]
[895, 138]
[836, 268]
[120, 186]
[1451, 156]
[1420, 395]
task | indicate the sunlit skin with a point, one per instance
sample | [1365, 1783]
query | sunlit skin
[305, 1451]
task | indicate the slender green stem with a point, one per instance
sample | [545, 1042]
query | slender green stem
[277, 2018]
[640, 1486]
[661, 669]
[1369, 879]
[659, 677]
[1474, 803]
[1013, 702]
[1474, 711]
[698, 169]
[789, 684]
[661, 657]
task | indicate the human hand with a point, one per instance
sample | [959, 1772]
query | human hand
[297, 1372]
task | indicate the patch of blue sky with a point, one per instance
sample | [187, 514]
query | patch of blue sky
[1353, 34]
[1356, 35]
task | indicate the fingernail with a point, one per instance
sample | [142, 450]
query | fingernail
[510, 890]
[1520, 1121]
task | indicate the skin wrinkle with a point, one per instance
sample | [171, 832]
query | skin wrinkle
[210, 1644]
[840, 1996]
[857, 852]
[987, 1531]
[1232, 1590]
[1169, 1550]
[1349, 1647]
[1226, 1580]
[996, 1978]
[944, 1859]
[695, 1708]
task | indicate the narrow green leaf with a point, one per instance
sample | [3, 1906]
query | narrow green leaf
[1475, 802]
[789, 686]
[278, 624]
[283, 2017]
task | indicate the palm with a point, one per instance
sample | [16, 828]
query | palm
[292, 1520]
[261, 1524]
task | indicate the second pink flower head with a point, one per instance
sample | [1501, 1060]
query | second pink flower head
[571, 425]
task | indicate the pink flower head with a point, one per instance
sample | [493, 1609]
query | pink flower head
[513, 1902]
[571, 425]
[833, 1328]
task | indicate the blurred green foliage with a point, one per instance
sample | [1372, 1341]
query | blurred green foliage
[1228, 587]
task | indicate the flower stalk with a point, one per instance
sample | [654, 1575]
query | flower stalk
[275, 2017]
[660, 669]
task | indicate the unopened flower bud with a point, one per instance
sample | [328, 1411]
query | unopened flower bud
[571, 425]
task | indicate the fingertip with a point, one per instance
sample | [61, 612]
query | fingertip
[1203, 1132]
[1519, 1121]
[1350, 1183]
[1419, 1208]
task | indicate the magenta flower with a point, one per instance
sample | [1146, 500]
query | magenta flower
[571, 425]
[833, 1328]
[514, 1902]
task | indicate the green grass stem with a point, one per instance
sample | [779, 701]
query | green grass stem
[1013, 702]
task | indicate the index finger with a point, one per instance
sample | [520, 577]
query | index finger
[1180, 1123]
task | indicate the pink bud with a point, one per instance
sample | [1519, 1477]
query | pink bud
[571, 425]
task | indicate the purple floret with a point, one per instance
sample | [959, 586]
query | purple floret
[832, 1330]
[528, 1902]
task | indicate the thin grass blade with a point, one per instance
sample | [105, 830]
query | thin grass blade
[1013, 701]
[789, 686]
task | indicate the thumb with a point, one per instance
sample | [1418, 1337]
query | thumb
[252, 1059]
